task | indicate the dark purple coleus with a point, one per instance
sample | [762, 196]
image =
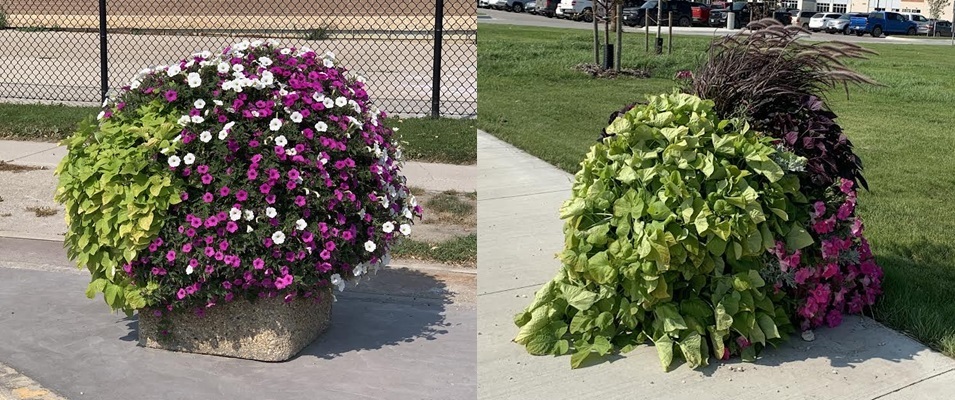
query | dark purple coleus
[809, 130]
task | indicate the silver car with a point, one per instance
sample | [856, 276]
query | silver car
[841, 24]
[923, 23]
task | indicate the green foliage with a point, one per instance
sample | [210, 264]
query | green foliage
[116, 196]
[665, 231]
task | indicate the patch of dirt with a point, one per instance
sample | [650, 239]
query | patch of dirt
[446, 215]
[598, 71]
[42, 211]
[15, 168]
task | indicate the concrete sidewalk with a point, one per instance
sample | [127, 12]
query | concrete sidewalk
[402, 335]
[36, 188]
[519, 233]
[428, 176]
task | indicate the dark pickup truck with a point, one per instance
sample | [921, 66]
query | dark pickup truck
[718, 17]
[882, 22]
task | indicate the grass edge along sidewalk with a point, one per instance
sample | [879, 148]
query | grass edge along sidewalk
[532, 99]
[442, 140]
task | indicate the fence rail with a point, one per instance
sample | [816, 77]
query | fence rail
[50, 49]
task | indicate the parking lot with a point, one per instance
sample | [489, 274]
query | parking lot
[510, 18]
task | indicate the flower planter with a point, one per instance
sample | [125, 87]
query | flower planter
[267, 329]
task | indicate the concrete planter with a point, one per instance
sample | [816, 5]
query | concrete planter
[263, 330]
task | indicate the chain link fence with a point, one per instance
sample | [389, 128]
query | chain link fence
[419, 56]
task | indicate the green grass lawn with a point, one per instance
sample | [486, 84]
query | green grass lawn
[903, 130]
[442, 140]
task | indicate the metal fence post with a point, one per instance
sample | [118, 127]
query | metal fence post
[103, 76]
[436, 75]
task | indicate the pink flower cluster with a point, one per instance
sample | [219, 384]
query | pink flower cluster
[292, 181]
[837, 276]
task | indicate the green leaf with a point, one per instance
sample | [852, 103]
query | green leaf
[692, 350]
[580, 354]
[601, 345]
[664, 347]
[768, 326]
[578, 297]
[672, 320]
[798, 238]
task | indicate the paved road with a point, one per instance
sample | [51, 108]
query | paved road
[518, 234]
[405, 334]
[509, 18]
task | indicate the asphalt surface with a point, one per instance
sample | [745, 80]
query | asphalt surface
[403, 335]
[509, 18]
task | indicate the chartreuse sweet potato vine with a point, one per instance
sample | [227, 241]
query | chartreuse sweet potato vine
[116, 196]
[666, 232]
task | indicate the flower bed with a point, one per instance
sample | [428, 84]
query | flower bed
[259, 172]
[714, 222]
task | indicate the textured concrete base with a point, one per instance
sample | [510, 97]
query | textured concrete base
[264, 330]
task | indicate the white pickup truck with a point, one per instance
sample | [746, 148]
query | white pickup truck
[576, 10]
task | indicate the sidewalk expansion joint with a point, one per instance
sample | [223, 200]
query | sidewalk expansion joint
[525, 195]
[914, 383]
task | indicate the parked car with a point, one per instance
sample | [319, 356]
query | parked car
[701, 14]
[718, 17]
[682, 13]
[509, 5]
[819, 21]
[546, 8]
[802, 19]
[940, 28]
[576, 10]
[879, 22]
[841, 24]
[919, 19]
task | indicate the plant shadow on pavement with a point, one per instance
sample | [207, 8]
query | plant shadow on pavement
[391, 308]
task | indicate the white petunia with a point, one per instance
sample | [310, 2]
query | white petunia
[318, 97]
[328, 103]
[235, 214]
[189, 270]
[184, 120]
[205, 136]
[278, 237]
[328, 63]
[189, 159]
[341, 101]
[285, 51]
[101, 115]
[265, 61]
[407, 213]
[205, 54]
[238, 67]
[200, 104]
[223, 67]
[194, 80]
[296, 117]
[267, 78]
[270, 212]
[275, 124]
[300, 224]
[281, 141]
[360, 269]
[197, 119]
[290, 152]
[248, 215]
[321, 127]
[173, 70]
[248, 229]
[218, 102]
[388, 227]
[370, 246]
[354, 105]
[405, 229]
[174, 161]
[223, 134]
[135, 84]
[338, 282]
